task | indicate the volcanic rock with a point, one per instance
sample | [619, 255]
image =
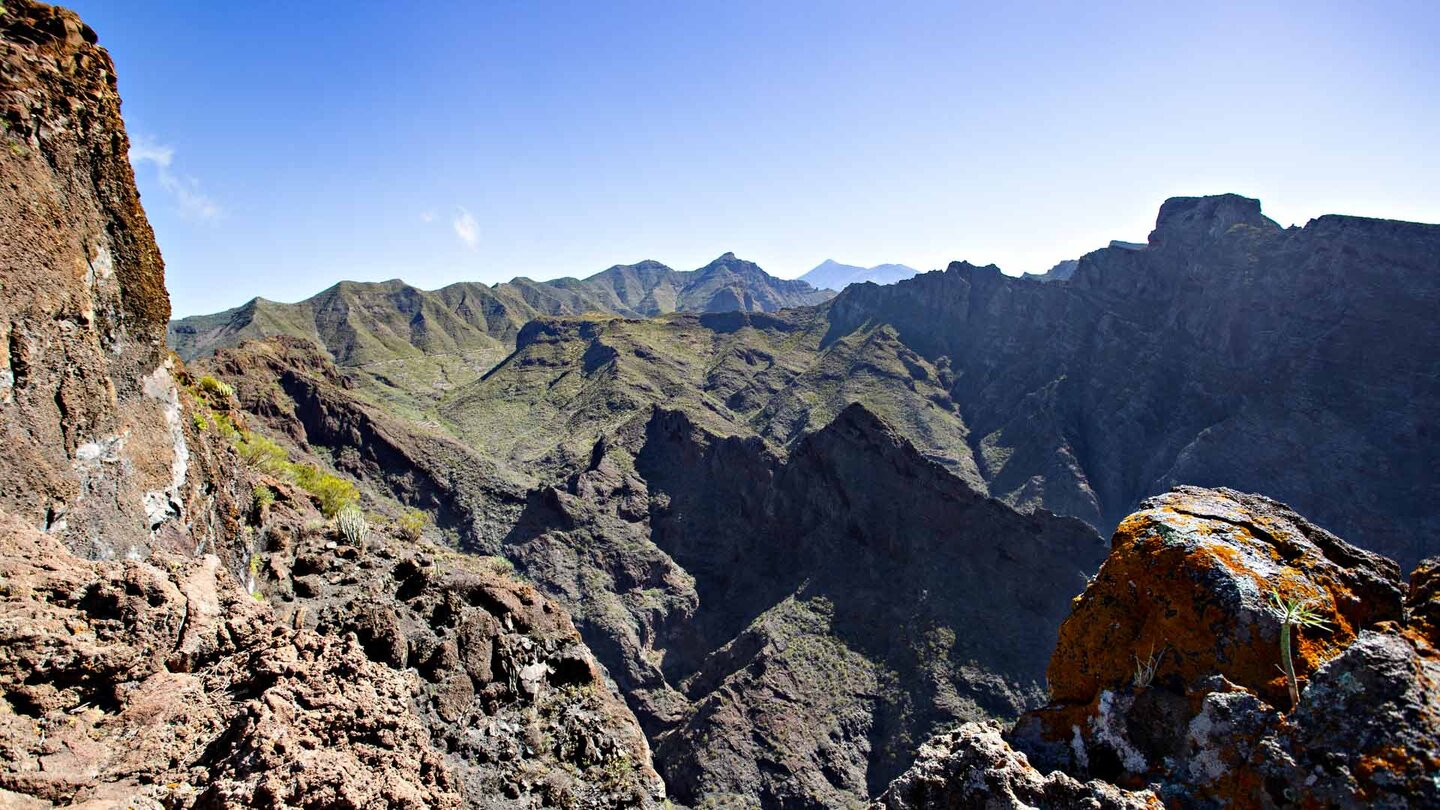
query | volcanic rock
[1201, 718]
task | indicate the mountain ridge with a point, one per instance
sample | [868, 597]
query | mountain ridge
[644, 289]
[832, 275]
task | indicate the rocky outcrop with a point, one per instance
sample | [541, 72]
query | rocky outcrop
[405, 676]
[164, 684]
[501, 680]
[973, 767]
[1191, 576]
[1166, 673]
[90, 412]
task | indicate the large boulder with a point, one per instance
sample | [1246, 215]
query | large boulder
[1167, 673]
[1190, 579]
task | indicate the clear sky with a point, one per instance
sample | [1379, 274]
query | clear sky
[281, 147]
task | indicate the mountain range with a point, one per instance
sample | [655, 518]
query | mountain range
[1150, 365]
[408, 340]
[708, 539]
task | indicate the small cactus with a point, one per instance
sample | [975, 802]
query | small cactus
[353, 526]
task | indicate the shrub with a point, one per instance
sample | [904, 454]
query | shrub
[1145, 670]
[262, 496]
[264, 454]
[353, 526]
[331, 491]
[199, 420]
[214, 387]
[412, 524]
[227, 430]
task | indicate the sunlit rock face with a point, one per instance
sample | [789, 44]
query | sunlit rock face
[95, 450]
[1166, 680]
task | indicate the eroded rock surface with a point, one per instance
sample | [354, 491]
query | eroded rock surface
[163, 683]
[90, 413]
[1190, 576]
[974, 767]
[1204, 721]
[505, 686]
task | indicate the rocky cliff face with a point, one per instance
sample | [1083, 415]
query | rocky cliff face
[179, 628]
[88, 401]
[1228, 351]
[1166, 675]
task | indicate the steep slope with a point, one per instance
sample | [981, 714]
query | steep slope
[1294, 362]
[741, 600]
[288, 389]
[825, 692]
[179, 628]
[832, 275]
[89, 409]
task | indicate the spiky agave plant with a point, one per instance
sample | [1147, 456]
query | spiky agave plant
[1294, 613]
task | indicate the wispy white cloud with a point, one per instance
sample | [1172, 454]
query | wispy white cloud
[467, 229]
[193, 203]
[427, 216]
[145, 150]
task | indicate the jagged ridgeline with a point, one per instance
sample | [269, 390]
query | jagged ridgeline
[706, 537]
[1296, 362]
[413, 345]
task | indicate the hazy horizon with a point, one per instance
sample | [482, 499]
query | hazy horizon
[477, 143]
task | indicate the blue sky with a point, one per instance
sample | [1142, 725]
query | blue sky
[282, 147]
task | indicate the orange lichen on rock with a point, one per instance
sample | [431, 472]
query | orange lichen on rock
[1422, 603]
[1167, 670]
[1192, 573]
